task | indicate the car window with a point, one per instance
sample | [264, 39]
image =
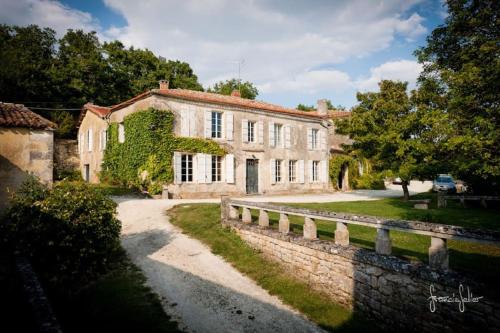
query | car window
[444, 180]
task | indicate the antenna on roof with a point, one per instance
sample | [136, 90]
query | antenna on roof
[240, 64]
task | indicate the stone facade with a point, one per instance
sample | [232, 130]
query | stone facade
[191, 121]
[66, 156]
[391, 291]
[24, 151]
[90, 146]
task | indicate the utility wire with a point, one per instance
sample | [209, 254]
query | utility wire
[55, 109]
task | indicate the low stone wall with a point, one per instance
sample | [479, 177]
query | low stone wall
[392, 291]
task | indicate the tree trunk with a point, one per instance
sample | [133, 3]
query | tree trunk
[406, 193]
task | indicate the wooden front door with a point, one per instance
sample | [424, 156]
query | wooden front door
[252, 179]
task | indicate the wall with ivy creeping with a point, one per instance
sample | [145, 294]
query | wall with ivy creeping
[144, 160]
[369, 179]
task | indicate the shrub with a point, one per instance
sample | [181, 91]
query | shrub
[370, 181]
[70, 232]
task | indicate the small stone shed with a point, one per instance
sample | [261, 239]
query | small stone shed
[26, 147]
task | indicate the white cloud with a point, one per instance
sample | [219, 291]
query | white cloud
[46, 13]
[402, 70]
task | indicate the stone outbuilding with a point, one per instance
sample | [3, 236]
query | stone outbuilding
[26, 147]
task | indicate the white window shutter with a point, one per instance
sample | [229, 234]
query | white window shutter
[90, 139]
[301, 171]
[244, 130]
[208, 168]
[309, 138]
[184, 123]
[177, 168]
[208, 124]
[104, 139]
[260, 129]
[273, 170]
[200, 168]
[230, 168]
[271, 134]
[229, 125]
[288, 136]
[121, 133]
[310, 170]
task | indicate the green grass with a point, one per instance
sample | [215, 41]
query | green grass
[202, 221]
[116, 302]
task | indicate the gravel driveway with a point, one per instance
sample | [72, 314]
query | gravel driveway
[199, 289]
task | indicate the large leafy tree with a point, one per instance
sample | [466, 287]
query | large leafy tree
[388, 130]
[40, 71]
[247, 89]
[462, 58]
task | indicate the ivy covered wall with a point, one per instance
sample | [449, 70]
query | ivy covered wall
[368, 180]
[144, 160]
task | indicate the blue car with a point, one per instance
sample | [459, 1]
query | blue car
[444, 183]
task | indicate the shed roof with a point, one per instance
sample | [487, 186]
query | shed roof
[17, 115]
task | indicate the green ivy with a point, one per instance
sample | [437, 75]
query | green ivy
[144, 160]
[368, 180]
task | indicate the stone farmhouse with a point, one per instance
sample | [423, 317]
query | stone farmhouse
[271, 149]
[26, 147]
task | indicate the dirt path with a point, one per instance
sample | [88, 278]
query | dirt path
[199, 289]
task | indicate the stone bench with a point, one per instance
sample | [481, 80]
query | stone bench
[421, 203]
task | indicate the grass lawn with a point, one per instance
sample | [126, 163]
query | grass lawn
[116, 302]
[202, 221]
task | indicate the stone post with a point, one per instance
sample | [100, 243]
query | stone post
[438, 254]
[246, 217]
[383, 243]
[284, 224]
[441, 200]
[310, 230]
[224, 209]
[234, 214]
[263, 219]
[342, 234]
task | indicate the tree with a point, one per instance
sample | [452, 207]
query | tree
[462, 57]
[248, 90]
[385, 129]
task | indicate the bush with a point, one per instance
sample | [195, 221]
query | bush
[70, 232]
[370, 181]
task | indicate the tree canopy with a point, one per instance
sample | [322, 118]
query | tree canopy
[247, 89]
[41, 71]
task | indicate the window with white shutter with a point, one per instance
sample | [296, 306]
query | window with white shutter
[324, 171]
[186, 168]
[260, 130]
[324, 139]
[208, 124]
[216, 168]
[229, 125]
[229, 168]
[314, 139]
[192, 122]
[310, 171]
[200, 168]
[184, 122]
[292, 171]
[309, 139]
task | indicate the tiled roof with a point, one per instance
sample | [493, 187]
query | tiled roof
[198, 96]
[17, 115]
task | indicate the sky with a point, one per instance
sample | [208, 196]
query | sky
[294, 51]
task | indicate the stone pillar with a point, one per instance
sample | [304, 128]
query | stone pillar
[263, 219]
[284, 223]
[234, 214]
[342, 234]
[383, 243]
[246, 217]
[310, 230]
[224, 209]
[438, 254]
[441, 200]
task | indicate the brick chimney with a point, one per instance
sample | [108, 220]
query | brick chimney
[322, 107]
[236, 93]
[163, 85]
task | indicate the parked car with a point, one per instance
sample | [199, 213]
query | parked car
[444, 183]
[397, 181]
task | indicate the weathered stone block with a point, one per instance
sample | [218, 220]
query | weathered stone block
[263, 219]
[342, 234]
[246, 217]
[438, 254]
[284, 224]
[383, 243]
